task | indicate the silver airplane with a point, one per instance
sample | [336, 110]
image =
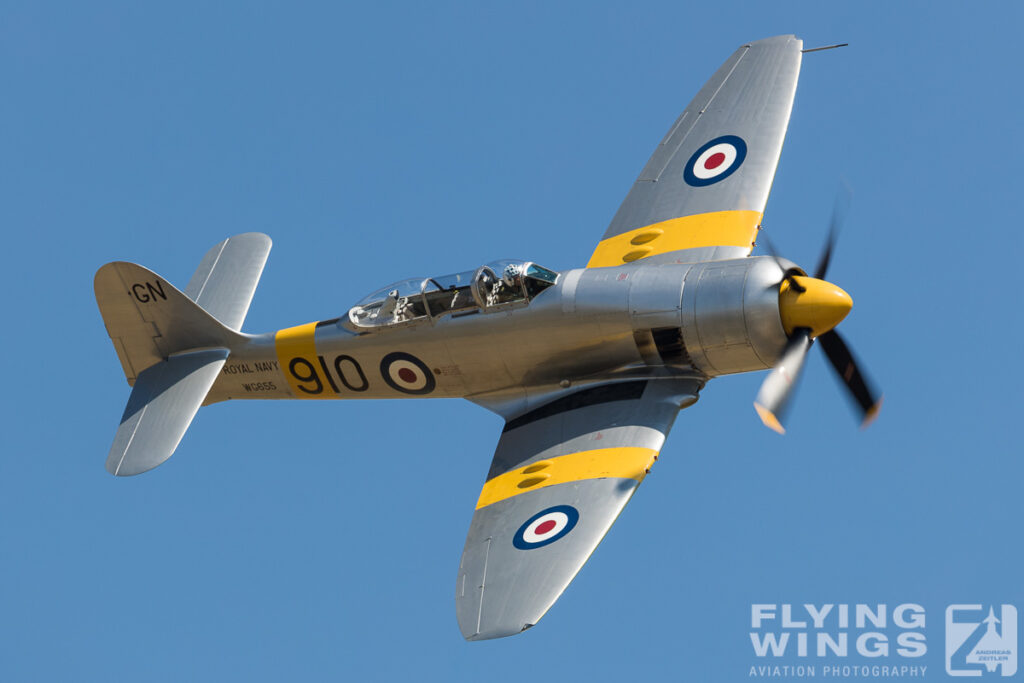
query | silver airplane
[588, 367]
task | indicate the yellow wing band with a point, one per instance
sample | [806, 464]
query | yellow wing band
[716, 229]
[623, 463]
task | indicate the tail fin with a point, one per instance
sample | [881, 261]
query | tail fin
[148, 319]
[171, 344]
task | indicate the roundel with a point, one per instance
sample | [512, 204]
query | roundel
[547, 526]
[406, 373]
[716, 160]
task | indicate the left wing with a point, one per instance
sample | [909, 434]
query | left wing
[560, 476]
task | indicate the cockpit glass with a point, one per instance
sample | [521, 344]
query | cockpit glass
[538, 279]
[495, 286]
[449, 294]
[398, 302]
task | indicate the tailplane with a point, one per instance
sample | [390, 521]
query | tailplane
[165, 398]
[172, 344]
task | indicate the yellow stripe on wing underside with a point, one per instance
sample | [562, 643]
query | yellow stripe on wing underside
[716, 229]
[623, 463]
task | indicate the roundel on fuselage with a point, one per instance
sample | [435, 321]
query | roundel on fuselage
[406, 373]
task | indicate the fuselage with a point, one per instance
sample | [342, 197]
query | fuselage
[708, 319]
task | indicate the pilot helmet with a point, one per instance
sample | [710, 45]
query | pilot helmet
[510, 274]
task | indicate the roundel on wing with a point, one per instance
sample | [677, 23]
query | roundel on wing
[545, 527]
[715, 160]
[406, 373]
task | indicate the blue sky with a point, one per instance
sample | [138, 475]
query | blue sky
[320, 540]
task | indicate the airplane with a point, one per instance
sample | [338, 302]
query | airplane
[589, 367]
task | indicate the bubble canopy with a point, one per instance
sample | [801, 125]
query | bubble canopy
[498, 285]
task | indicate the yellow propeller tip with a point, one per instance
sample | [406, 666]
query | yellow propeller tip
[769, 419]
[872, 413]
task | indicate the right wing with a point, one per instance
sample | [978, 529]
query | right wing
[560, 476]
[706, 185]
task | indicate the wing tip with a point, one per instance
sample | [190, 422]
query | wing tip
[494, 633]
[781, 38]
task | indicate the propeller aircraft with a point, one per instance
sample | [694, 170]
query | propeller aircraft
[589, 367]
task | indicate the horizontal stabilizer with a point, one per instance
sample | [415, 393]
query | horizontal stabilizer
[165, 398]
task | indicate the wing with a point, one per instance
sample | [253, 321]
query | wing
[561, 475]
[706, 185]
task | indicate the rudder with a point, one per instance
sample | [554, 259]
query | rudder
[149, 319]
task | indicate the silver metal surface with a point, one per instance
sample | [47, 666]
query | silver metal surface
[163, 402]
[226, 278]
[779, 386]
[148, 319]
[656, 296]
[750, 96]
[730, 315]
[502, 589]
[592, 325]
[600, 360]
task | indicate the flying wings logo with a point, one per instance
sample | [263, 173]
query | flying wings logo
[838, 640]
[879, 640]
[715, 160]
[981, 641]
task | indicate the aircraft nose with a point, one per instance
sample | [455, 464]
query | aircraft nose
[820, 307]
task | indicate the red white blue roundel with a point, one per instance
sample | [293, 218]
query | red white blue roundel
[547, 526]
[406, 373]
[716, 160]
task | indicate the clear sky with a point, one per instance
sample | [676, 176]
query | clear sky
[378, 141]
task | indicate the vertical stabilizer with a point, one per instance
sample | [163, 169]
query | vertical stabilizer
[148, 319]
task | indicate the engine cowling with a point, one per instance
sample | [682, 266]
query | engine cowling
[730, 315]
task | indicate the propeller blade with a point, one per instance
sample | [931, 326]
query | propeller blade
[846, 367]
[773, 399]
[839, 211]
[826, 255]
[787, 273]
